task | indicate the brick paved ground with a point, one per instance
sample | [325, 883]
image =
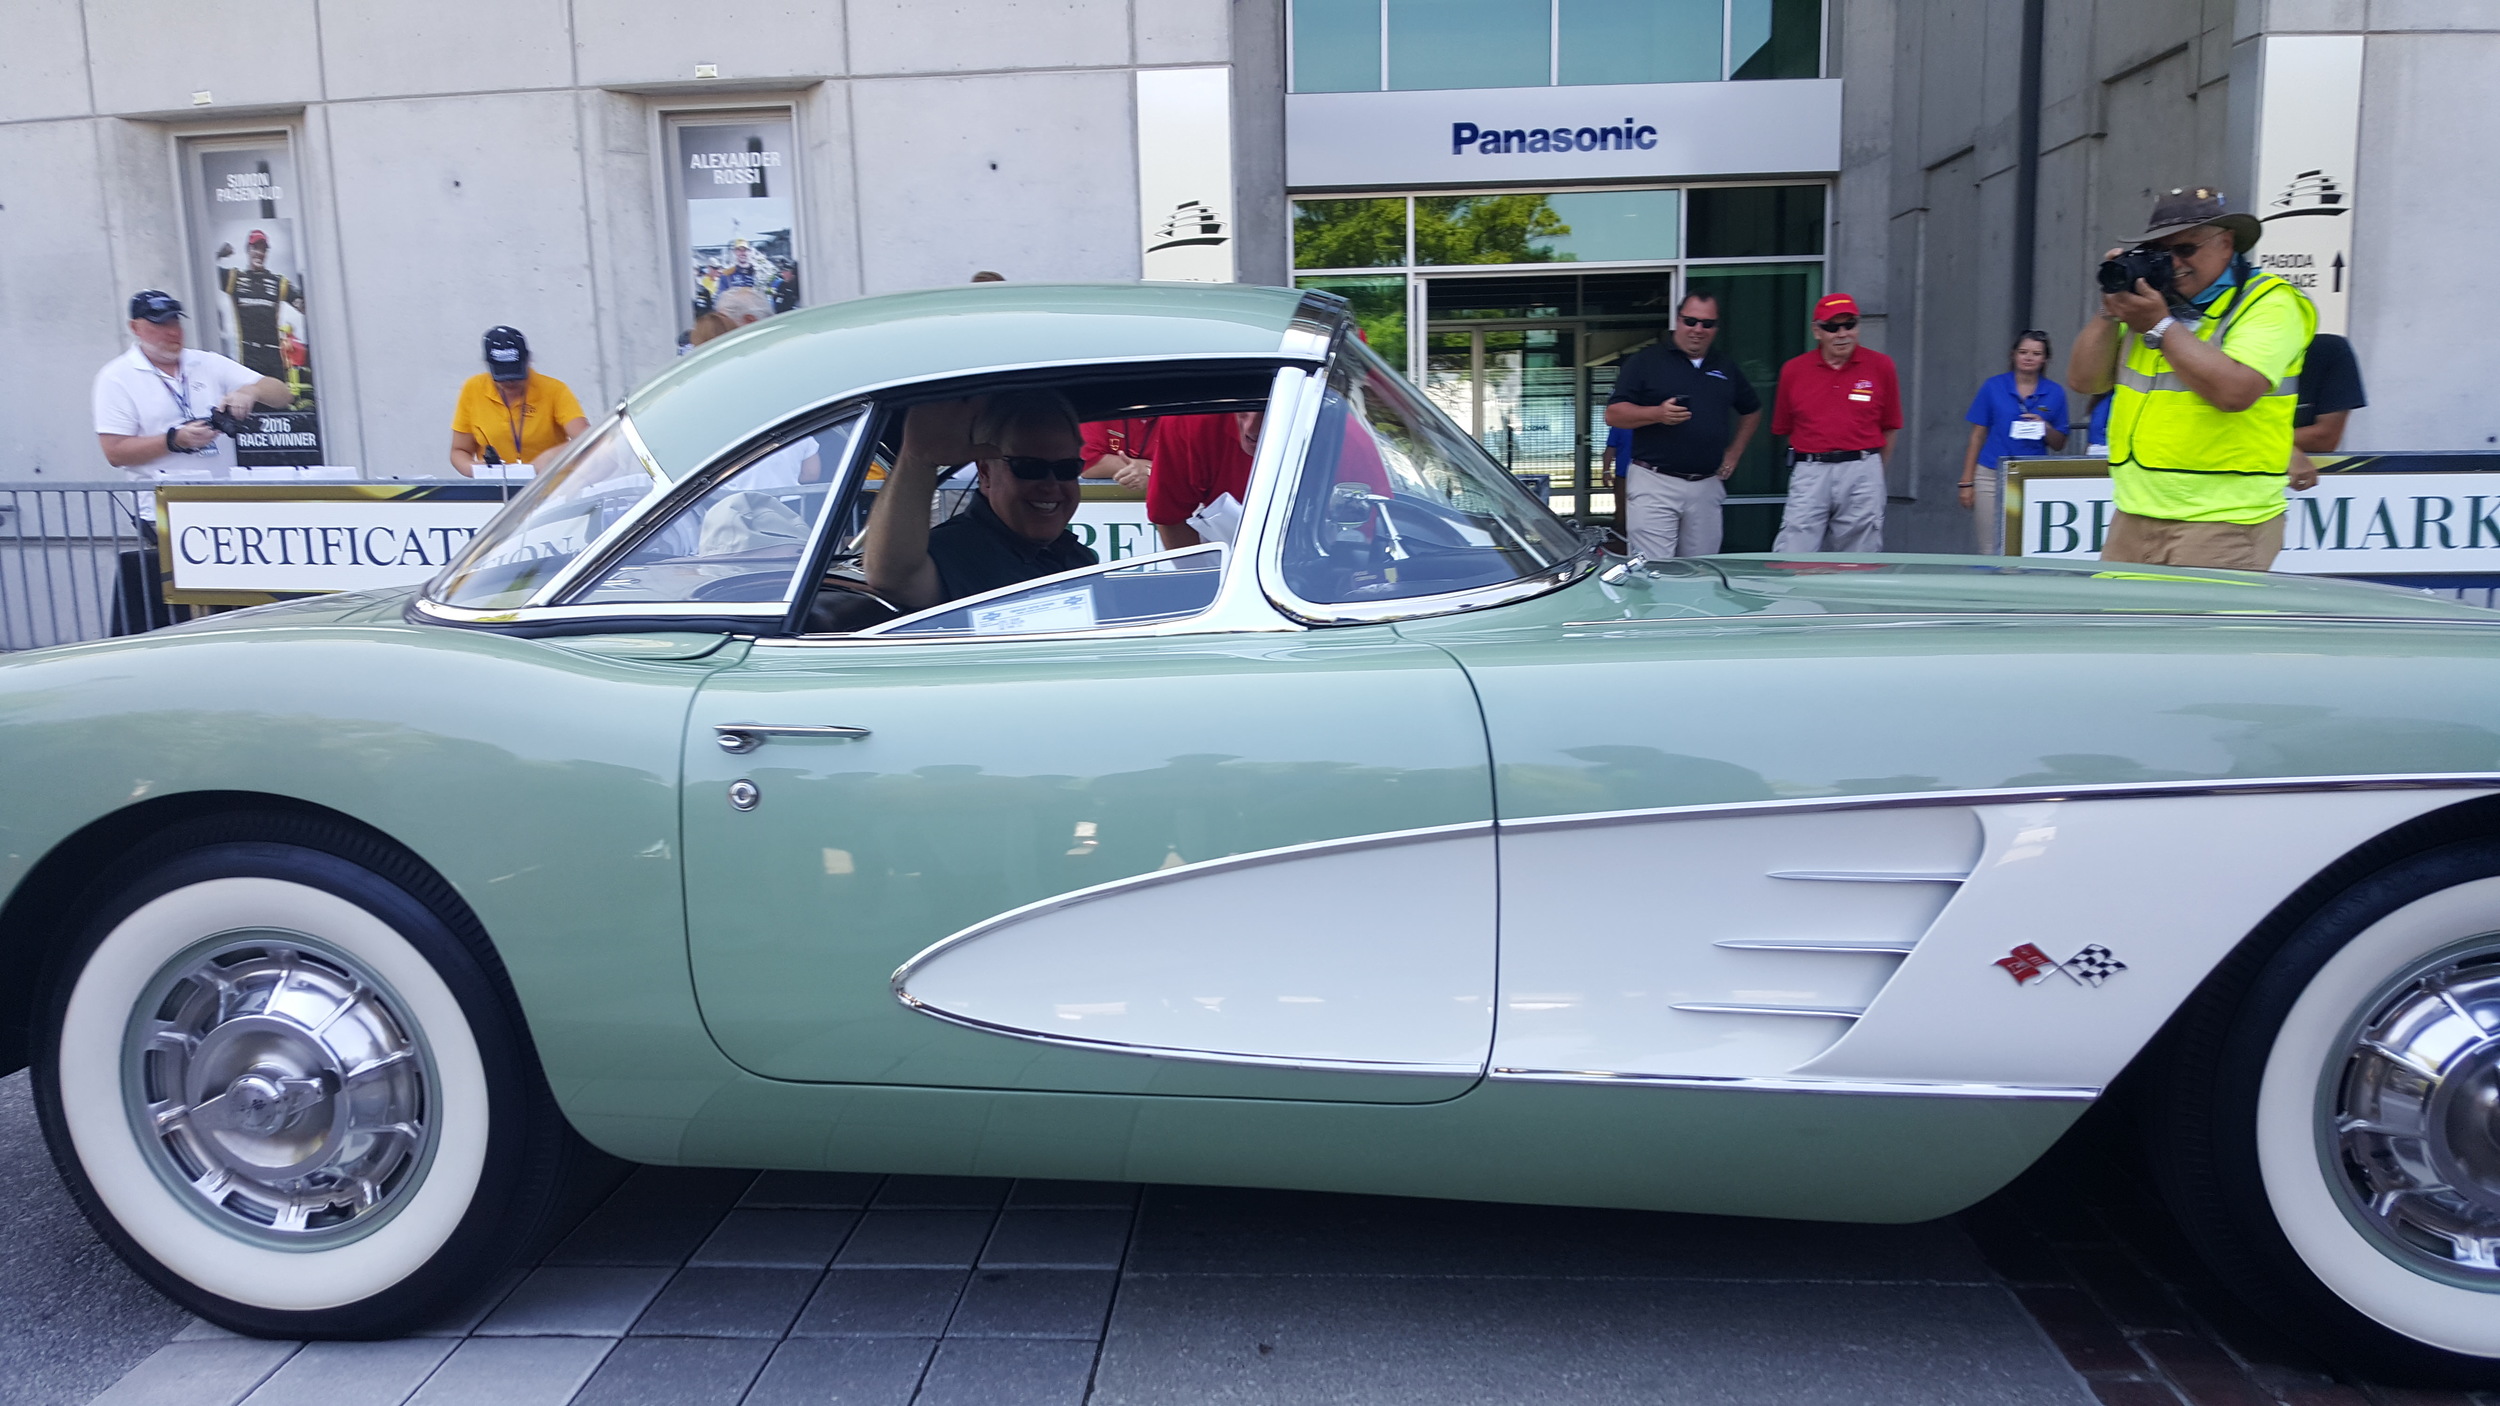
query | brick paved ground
[2099, 1263]
[700, 1287]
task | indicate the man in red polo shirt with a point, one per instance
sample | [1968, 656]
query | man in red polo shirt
[1840, 407]
[1201, 476]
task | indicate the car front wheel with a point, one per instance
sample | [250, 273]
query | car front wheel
[288, 1089]
[2329, 1128]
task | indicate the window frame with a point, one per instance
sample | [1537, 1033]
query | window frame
[1176, 625]
[1271, 545]
[1240, 606]
[565, 593]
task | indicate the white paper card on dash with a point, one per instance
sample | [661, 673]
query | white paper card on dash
[1062, 610]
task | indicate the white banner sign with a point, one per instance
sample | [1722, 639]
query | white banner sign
[344, 545]
[2308, 143]
[1116, 531]
[1501, 136]
[1185, 173]
[2349, 525]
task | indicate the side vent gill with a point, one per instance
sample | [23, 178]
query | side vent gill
[1893, 947]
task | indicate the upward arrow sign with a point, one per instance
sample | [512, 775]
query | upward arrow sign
[2339, 272]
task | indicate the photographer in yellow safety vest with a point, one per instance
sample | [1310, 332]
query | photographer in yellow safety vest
[2201, 353]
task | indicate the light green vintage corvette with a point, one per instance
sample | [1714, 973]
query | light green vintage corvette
[1392, 841]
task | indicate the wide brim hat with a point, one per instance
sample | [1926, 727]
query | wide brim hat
[2183, 210]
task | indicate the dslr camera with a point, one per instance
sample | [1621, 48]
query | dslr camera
[226, 422]
[2119, 275]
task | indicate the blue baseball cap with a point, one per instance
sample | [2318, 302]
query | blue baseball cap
[154, 305]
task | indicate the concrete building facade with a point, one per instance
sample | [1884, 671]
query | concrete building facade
[1956, 164]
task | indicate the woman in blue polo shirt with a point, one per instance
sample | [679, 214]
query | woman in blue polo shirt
[2021, 413]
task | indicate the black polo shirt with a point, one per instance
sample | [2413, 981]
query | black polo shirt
[975, 552]
[2330, 380]
[1715, 391]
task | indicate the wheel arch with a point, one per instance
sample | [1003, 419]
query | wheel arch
[34, 919]
[2475, 819]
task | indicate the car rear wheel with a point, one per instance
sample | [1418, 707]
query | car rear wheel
[289, 1089]
[2328, 1126]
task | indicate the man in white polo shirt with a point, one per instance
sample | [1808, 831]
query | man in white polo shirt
[153, 401]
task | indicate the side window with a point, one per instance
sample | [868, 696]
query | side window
[1394, 501]
[741, 541]
[1140, 591]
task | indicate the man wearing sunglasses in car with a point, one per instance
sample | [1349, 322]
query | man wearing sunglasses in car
[2204, 376]
[1015, 528]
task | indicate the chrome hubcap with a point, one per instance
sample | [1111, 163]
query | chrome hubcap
[2415, 1126]
[280, 1090]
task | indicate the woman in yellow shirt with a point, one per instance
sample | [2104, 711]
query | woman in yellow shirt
[522, 415]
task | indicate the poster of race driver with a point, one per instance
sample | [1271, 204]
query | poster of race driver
[737, 219]
[245, 231]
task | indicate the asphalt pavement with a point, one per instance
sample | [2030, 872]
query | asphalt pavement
[691, 1287]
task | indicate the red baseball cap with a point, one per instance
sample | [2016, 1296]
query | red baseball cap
[1832, 305]
[256, 237]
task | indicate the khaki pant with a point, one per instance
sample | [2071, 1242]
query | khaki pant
[1668, 516]
[2156, 541]
[1834, 507]
[1987, 512]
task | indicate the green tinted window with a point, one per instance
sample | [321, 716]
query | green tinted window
[1533, 295]
[1736, 222]
[1775, 39]
[1614, 225]
[1379, 301]
[1487, 229]
[1762, 323]
[1639, 41]
[1336, 46]
[1470, 43]
[1349, 234]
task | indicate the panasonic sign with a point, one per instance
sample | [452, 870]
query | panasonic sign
[1646, 131]
[1624, 136]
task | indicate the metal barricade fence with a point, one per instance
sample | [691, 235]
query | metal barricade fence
[69, 563]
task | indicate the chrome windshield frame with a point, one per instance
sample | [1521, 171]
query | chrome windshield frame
[1271, 547]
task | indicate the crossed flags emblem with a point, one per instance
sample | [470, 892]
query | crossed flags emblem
[2093, 965]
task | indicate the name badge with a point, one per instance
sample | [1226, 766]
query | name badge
[1860, 395]
[2028, 429]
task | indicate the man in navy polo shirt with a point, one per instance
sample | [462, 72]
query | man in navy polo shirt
[1840, 406]
[1691, 414]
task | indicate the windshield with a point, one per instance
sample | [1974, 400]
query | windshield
[572, 505]
[1394, 501]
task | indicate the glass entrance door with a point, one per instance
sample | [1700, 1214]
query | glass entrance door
[1520, 392]
[1526, 364]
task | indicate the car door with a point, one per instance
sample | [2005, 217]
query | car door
[1124, 830]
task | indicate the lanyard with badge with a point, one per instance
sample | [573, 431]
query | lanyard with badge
[178, 391]
[2029, 429]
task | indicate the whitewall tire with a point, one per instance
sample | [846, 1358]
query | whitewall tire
[289, 1090]
[2326, 1121]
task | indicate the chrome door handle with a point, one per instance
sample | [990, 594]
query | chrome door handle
[740, 738]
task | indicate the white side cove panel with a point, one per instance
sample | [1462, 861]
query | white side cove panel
[2169, 885]
[1726, 944]
[1860, 948]
[1372, 953]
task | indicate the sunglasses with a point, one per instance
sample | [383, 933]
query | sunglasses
[1030, 469]
[1838, 324]
[2183, 251]
[1700, 321]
